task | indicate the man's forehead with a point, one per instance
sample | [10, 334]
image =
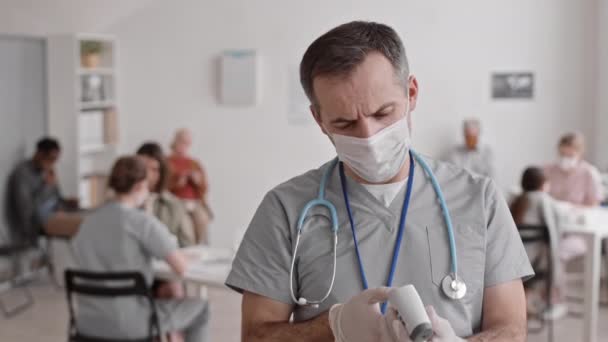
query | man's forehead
[52, 154]
[472, 130]
[568, 149]
[357, 92]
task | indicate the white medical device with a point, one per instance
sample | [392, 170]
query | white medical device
[412, 313]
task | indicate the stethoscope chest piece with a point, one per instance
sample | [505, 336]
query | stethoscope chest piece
[453, 287]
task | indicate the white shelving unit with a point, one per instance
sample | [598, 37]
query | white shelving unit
[83, 113]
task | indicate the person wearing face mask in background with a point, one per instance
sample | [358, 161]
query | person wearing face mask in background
[534, 206]
[119, 237]
[362, 96]
[572, 178]
[472, 155]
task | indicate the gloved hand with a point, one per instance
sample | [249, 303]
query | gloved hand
[442, 329]
[399, 333]
[360, 319]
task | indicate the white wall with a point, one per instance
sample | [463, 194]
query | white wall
[602, 110]
[42, 17]
[169, 50]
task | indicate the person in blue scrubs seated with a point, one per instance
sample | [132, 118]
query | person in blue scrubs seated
[377, 218]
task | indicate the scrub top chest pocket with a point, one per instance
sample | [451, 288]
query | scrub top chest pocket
[470, 246]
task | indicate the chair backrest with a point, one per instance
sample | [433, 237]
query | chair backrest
[108, 285]
[538, 234]
[533, 233]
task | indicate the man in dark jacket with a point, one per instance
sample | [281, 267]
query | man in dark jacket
[35, 205]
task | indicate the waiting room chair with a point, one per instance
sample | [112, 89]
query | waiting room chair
[17, 280]
[108, 285]
[534, 234]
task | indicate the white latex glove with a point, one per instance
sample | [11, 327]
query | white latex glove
[359, 319]
[396, 326]
[443, 331]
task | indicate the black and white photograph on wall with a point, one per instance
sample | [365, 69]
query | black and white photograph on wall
[514, 85]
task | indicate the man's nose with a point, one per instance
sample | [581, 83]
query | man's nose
[366, 128]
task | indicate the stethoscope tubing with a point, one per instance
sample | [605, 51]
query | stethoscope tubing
[321, 201]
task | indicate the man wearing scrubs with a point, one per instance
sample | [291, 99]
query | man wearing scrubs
[362, 96]
[473, 155]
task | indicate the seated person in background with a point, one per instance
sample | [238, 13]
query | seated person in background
[189, 182]
[161, 203]
[535, 207]
[35, 203]
[472, 155]
[119, 237]
[573, 179]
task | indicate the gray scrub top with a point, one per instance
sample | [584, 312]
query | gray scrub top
[489, 248]
[115, 238]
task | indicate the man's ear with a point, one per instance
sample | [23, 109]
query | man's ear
[317, 116]
[412, 84]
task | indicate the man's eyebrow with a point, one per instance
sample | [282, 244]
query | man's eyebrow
[342, 120]
[383, 107]
[345, 120]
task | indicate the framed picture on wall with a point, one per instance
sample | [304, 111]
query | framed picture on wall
[513, 85]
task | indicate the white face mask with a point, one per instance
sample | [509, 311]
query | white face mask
[568, 163]
[379, 157]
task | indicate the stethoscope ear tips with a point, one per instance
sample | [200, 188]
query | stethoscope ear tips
[302, 301]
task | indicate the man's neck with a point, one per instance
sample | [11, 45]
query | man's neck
[400, 176]
[126, 200]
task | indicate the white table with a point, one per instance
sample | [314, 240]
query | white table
[208, 266]
[594, 231]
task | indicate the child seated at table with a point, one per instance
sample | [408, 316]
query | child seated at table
[119, 237]
[537, 208]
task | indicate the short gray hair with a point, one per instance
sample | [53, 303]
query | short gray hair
[343, 48]
[471, 124]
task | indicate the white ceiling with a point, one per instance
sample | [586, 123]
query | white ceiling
[44, 17]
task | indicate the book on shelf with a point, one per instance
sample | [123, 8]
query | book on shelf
[97, 128]
[93, 190]
[91, 129]
[111, 127]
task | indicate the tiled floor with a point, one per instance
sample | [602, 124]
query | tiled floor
[47, 320]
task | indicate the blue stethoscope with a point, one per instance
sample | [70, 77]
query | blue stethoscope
[453, 287]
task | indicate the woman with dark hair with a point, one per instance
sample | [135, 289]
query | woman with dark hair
[119, 237]
[536, 207]
[533, 180]
[162, 203]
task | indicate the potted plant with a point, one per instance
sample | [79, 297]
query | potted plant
[90, 51]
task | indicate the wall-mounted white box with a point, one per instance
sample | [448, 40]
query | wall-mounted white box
[239, 77]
